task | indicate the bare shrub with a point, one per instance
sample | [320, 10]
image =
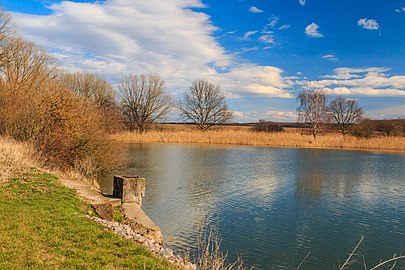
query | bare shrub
[68, 128]
[387, 127]
[25, 66]
[364, 130]
[267, 126]
[209, 255]
[26, 70]
[99, 91]
[71, 135]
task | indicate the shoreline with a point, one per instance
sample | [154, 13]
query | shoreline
[137, 225]
[380, 151]
[387, 145]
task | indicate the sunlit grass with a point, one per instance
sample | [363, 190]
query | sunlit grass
[43, 224]
[43, 227]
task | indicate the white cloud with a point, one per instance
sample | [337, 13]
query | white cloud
[302, 2]
[248, 34]
[269, 90]
[372, 81]
[254, 116]
[369, 24]
[118, 37]
[255, 10]
[273, 22]
[257, 80]
[267, 38]
[330, 57]
[284, 27]
[312, 31]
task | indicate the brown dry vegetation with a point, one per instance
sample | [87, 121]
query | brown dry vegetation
[242, 135]
[65, 117]
[15, 158]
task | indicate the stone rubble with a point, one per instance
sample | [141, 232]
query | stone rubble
[128, 233]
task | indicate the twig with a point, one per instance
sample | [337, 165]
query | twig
[387, 261]
[364, 263]
[303, 260]
[351, 254]
[393, 266]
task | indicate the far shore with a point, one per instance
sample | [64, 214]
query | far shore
[243, 135]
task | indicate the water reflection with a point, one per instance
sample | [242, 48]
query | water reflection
[276, 205]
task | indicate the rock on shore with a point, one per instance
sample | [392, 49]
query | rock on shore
[128, 233]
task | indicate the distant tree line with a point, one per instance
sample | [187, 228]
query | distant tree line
[344, 115]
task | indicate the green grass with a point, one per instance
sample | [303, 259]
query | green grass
[42, 227]
[118, 217]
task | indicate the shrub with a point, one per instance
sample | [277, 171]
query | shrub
[364, 130]
[97, 90]
[266, 126]
[68, 124]
[389, 127]
[71, 134]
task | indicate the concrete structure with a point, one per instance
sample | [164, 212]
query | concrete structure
[131, 189]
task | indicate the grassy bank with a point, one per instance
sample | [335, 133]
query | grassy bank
[244, 136]
[43, 226]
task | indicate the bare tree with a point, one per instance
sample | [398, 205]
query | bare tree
[388, 127]
[98, 91]
[345, 112]
[7, 30]
[91, 87]
[313, 110]
[25, 66]
[204, 104]
[25, 70]
[143, 100]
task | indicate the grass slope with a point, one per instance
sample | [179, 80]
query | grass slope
[42, 227]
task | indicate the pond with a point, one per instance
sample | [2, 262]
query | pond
[275, 205]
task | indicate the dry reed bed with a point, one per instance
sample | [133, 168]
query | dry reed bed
[15, 157]
[283, 139]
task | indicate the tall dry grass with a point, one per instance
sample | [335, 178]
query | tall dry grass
[243, 136]
[209, 255]
[15, 158]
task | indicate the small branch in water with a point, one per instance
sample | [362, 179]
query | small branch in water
[394, 259]
[347, 262]
[303, 260]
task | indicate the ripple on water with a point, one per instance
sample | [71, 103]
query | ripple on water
[276, 205]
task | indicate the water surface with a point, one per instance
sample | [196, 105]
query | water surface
[275, 205]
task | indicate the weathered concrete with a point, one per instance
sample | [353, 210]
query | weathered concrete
[140, 222]
[88, 193]
[104, 210]
[131, 189]
[134, 216]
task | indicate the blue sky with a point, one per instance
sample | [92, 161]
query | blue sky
[261, 52]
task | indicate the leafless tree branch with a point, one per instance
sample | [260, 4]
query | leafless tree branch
[312, 110]
[204, 105]
[143, 100]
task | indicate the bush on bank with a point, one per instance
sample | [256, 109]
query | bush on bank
[67, 123]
